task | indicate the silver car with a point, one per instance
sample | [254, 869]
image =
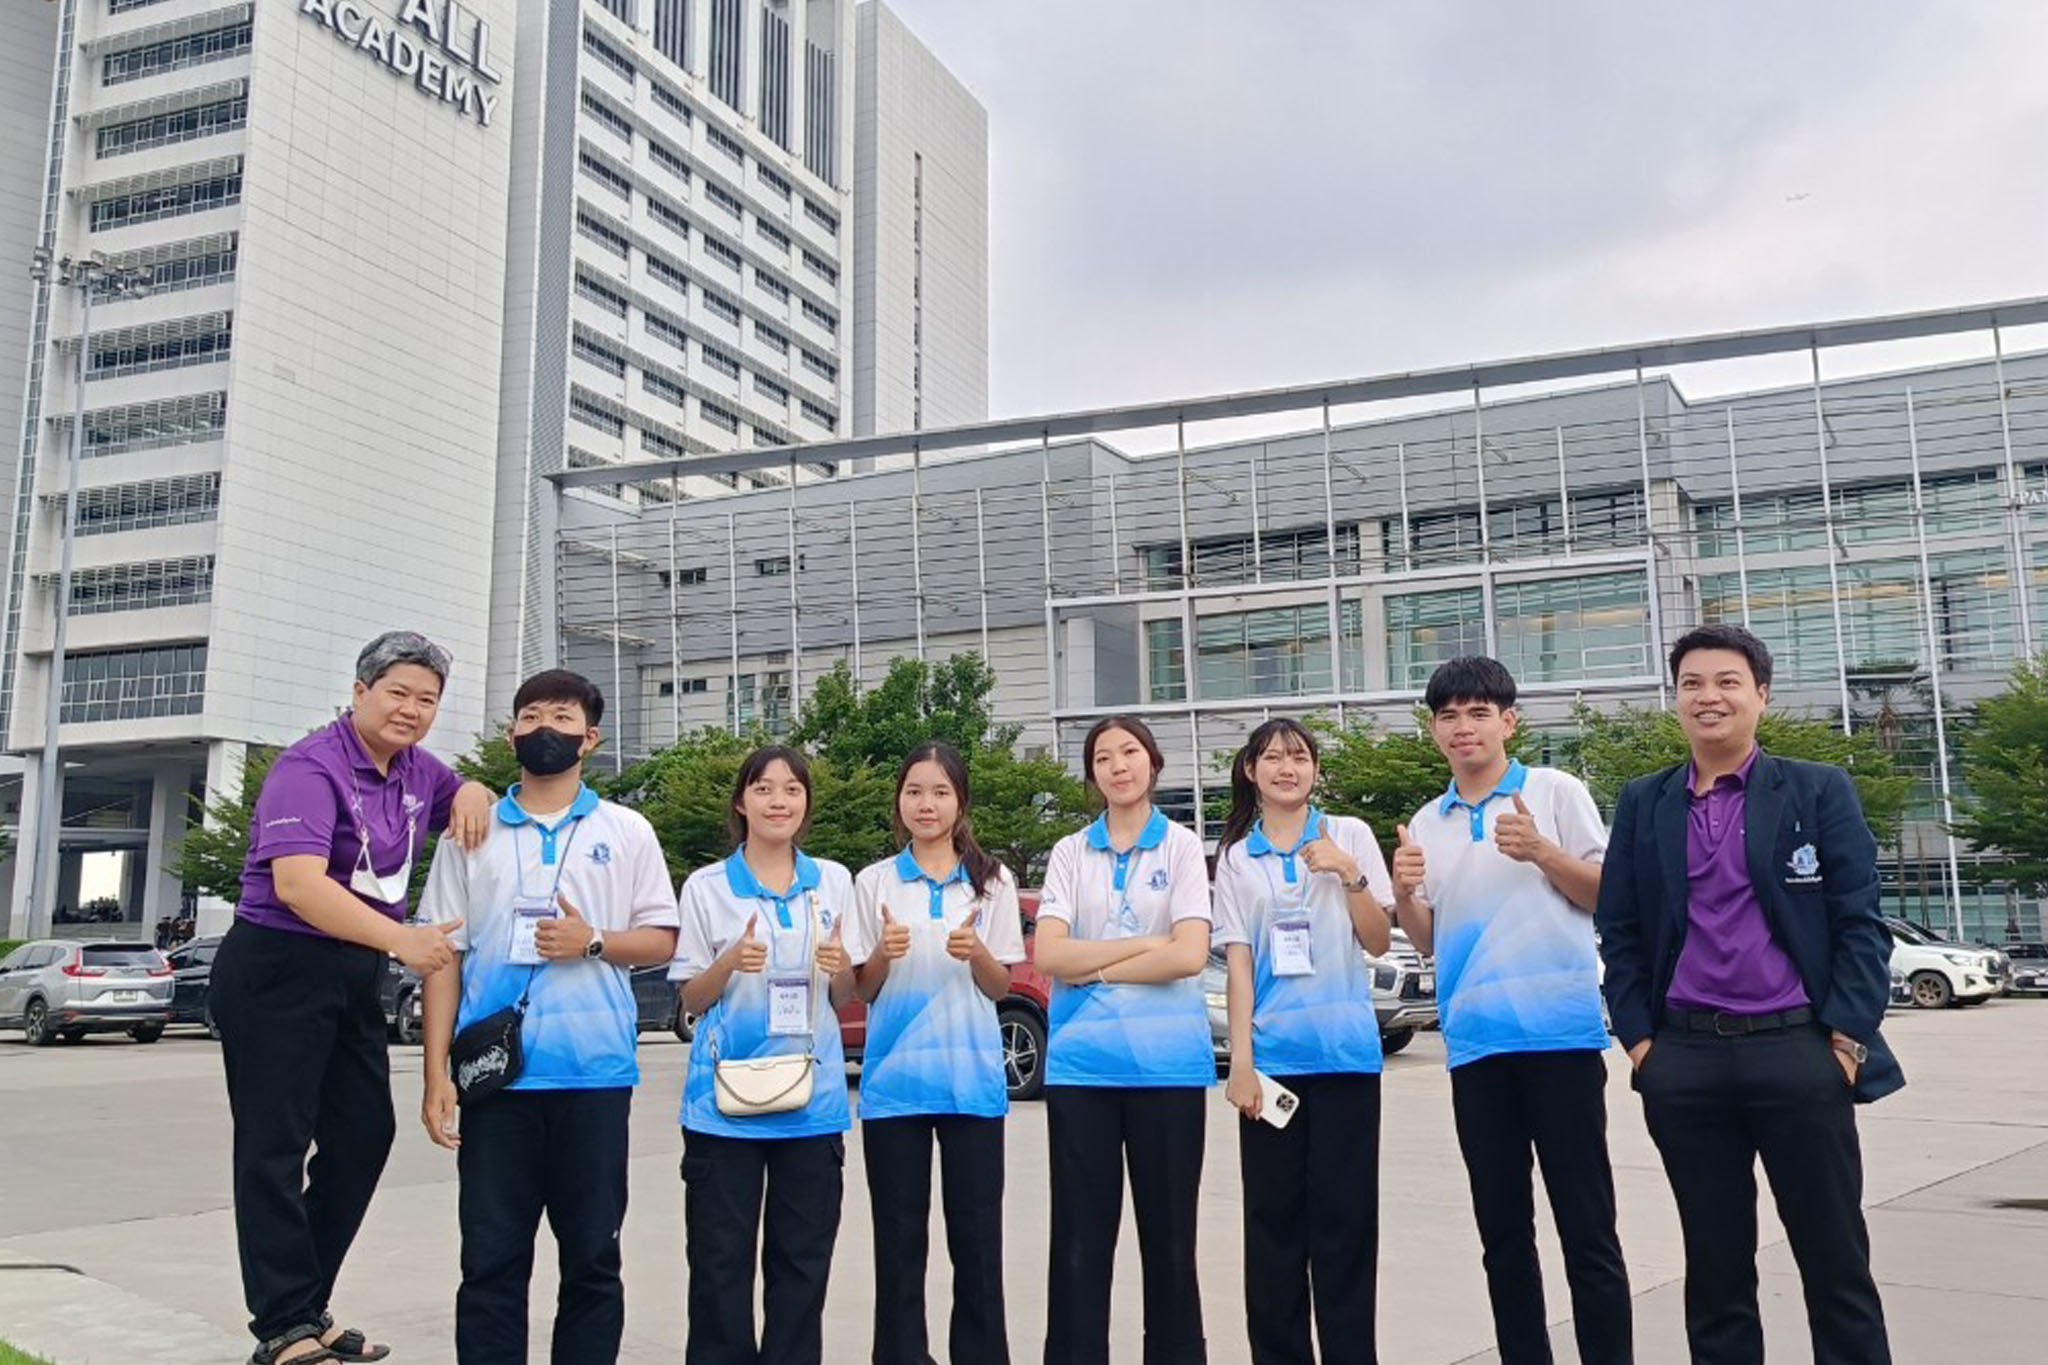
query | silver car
[62, 988]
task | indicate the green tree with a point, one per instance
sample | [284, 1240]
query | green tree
[216, 842]
[915, 701]
[1022, 807]
[1384, 776]
[2005, 769]
[685, 791]
[1613, 748]
[493, 763]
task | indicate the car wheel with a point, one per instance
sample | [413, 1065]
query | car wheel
[685, 1026]
[1023, 1052]
[1931, 990]
[146, 1033]
[1391, 1043]
[35, 1025]
[411, 1027]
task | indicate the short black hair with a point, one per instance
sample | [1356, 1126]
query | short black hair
[559, 684]
[1471, 678]
[1725, 637]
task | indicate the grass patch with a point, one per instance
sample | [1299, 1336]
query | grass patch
[10, 1356]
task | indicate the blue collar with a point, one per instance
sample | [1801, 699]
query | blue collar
[1259, 846]
[907, 868]
[1510, 785]
[746, 886]
[1152, 836]
[513, 815]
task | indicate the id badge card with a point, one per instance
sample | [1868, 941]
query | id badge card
[528, 912]
[789, 1006]
[1294, 952]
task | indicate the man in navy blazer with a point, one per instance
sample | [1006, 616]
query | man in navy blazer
[1747, 970]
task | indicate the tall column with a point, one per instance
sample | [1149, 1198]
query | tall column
[168, 809]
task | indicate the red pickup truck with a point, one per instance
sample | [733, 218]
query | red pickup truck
[1021, 1015]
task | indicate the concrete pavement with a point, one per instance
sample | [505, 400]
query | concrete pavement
[116, 1164]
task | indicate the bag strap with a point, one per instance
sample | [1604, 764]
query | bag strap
[810, 896]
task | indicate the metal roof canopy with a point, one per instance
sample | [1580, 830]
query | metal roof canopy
[1458, 379]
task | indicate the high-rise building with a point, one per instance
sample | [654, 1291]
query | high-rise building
[711, 251]
[289, 436]
[406, 259]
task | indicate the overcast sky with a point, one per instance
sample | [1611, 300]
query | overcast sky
[1193, 196]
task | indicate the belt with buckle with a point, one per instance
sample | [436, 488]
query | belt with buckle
[1722, 1024]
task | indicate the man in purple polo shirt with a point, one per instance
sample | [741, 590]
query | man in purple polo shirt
[295, 986]
[1747, 970]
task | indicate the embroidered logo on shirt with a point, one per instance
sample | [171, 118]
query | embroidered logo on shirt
[413, 804]
[1805, 865]
[601, 854]
[1157, 881]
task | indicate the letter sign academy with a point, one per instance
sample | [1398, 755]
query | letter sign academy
[436, 44]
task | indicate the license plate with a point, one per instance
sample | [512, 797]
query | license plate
[127, 997]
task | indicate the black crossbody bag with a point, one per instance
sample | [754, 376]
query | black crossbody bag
[491, 1053]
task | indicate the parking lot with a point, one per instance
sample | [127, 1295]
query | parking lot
[116, 1165]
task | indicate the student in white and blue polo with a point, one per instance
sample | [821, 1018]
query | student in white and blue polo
[1499, 877]
[566, 895]
[1301, 897]
[935, 929]
[762, 960]
[1123, 928]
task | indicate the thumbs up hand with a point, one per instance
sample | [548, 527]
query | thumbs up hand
[1324, 855]
[963, 943]
[563, 938]
[895, 937]
[832, 958]
[749, 954]
[1409, 866]
[1515, 834]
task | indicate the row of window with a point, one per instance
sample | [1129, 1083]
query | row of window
[166, 201]
[160, 346]
[618, 182]
[175, 54]
[142, 586]
[183, 125]
[133, 684]
[184, 265]
[185, 420]
[148, 504]
[671, 31]
[1954, 504]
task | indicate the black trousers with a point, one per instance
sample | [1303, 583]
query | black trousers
[724, 1220]
[524, 1152]
[1094, 1132]
[898, 1155]
[1312, 1223]
[1715, 1105]
[1554, 1104]
[302, 1038]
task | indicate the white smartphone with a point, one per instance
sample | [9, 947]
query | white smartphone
[1276, 1102]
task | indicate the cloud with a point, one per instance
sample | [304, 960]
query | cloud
[1204, 196]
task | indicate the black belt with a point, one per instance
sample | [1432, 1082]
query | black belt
[1725, 1025]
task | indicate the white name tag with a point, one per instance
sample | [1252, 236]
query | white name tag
[528, 913]
[1294, 951]
[789, 1006]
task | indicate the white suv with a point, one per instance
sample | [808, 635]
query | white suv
[1942, 974]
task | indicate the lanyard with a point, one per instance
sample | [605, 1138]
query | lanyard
[406, 802]
[561, 863]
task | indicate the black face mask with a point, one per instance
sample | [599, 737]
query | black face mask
[545, 752]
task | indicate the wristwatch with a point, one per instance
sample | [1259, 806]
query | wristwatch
[595, 948]
[1851, 1049]
[1358, 885]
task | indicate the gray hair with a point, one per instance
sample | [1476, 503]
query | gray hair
[395, 647]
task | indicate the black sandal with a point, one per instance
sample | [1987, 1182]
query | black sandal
[350, 1345]
[267, 1353]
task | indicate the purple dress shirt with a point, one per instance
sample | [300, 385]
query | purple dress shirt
[1730, 961]
[309, 805]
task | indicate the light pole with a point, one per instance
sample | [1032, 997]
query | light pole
[86, 274]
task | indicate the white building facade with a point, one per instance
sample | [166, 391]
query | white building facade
[289, 435]
[408, 258]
